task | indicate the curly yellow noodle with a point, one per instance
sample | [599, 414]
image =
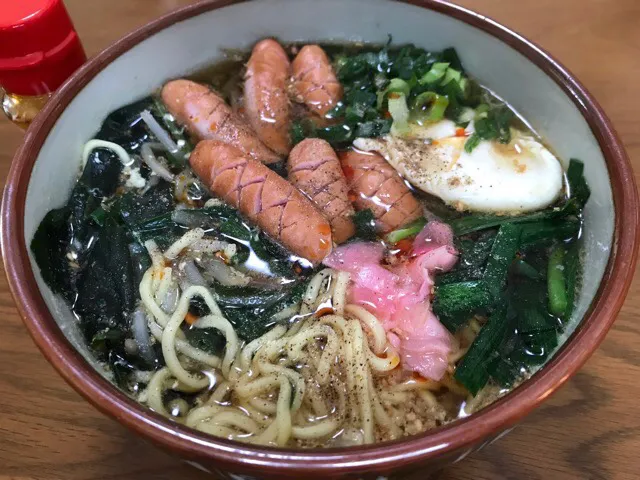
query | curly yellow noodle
[307, 380]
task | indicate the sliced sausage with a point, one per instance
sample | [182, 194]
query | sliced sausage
[314, 81]
[315, 169]
[265, 95]
[377, 186]
[207, 116]
[263, 197]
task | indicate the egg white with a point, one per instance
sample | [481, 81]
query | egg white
[518, 177]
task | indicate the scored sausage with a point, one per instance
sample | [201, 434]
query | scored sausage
[315, 169]
[207, 116]
[314, 81]
[265, 95]
[263, 197]
[377, 186]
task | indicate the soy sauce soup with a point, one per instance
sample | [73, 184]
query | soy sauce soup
[388, 273]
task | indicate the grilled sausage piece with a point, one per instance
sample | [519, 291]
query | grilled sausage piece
[378, 186]
[265, 95]
[315, 169]
[314, 81]
[208, 117]
[263, 197]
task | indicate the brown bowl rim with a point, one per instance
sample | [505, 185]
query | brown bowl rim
[382, 457]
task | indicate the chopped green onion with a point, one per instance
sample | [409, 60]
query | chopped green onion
[409, 230]
[465, 117]
[482, 110]
[438, 70]
[556, 284]
[435, 106]
[396, 85]
[457, 78]
[400, 114]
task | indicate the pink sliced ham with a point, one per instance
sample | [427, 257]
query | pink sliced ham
[399, 296]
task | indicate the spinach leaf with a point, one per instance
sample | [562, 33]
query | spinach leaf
[473, 369]
[105, 288]
[49, 246]
[124, 126]
[102, 172]
[473, 257]
[209, 340]
[107, 339]
[158, 200]
[455, 303]
[254, 321]
[365, 224]
[247, 297]
[494, 125]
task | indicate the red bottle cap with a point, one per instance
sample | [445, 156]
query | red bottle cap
[39, 48]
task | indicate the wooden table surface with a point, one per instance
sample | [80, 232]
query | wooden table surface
[589, 430]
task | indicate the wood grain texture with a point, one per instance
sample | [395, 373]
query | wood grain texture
[589, 430]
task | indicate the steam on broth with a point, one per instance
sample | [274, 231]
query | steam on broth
[318, 246]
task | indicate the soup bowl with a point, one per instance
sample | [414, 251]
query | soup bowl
[536, 85]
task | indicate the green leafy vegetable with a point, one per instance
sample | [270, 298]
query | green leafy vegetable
[556, 282]
[365, 223]
[503, 252]
[106, 293]
[572, 264]
[297, 133]
[450, 55]
[102, 172]
[546, 231]
[124, 126]
[381, 84]
[105, 340]
[473, 257]
[49, 245]
[494, 124]
[209, 340]
[522, 268]
[373, 128]
[137, 209]
[455, 303]
[235, 228]
[254, 321]
[472, 371]
[247, 297]
[472, 142]
[578, 188]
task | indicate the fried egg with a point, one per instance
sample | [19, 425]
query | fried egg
[517, 177]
